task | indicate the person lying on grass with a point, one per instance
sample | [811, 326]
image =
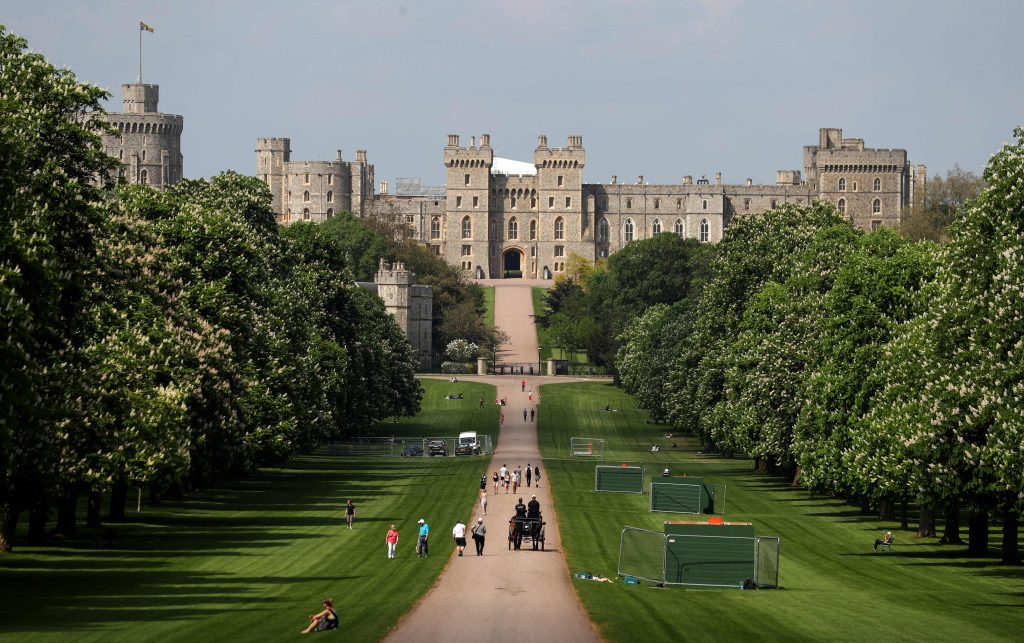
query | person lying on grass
[325, 620]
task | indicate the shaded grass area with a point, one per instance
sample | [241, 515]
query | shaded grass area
[833, 585]
[489, 305]
[249, 560]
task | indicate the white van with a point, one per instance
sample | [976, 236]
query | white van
[468, 444]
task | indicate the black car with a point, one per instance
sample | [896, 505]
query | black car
[437, 447]
[412, 451]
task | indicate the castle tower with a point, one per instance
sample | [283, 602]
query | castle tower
[562, 215]
[362, 184]
[468, 227]
[271, 155]
[148, 143]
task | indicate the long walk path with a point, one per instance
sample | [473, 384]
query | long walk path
[504, 595]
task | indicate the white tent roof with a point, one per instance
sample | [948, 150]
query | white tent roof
[508, 166]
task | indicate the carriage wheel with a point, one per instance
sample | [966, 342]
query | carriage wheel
[542, 539]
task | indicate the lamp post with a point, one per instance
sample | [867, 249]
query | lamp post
[540, 366]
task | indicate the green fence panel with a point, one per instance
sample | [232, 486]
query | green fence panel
[619, 479]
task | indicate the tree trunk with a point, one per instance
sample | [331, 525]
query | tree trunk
[977, 533]
[8, 526]
[67, 507]
[1011, 549]
[118, 497]
[92, 510]
[796, 477]
[926, 523]
[951, 534]
[37, 517]
[904, 513]
[886, 509]
[865, 505]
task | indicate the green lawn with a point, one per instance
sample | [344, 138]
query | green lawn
[833, 586]
[489, 305]
[251, 559]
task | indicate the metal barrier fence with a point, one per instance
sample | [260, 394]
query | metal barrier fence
[702, 561]
[405, 447]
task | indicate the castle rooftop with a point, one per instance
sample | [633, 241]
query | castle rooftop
[508, 166]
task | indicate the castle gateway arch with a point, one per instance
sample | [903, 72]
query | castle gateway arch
[513, 263]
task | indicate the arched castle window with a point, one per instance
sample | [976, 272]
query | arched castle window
[513, 228]
[705, 231]
[305, 214]
[876, 206]
[877, 186]
[704, 204]
[143, 155]
[602, 230]
[330, 212]
[494, 229]
[854, 186]
[656, 226]
[533, 230]
[628, 230]
[842, 185]
[307, 179]
[467, 228]
[842, 206]
[330, 196]
[120, 155]
[559, 229]
[143, 177]
[305, 196]
[435, 227]
[679, 228]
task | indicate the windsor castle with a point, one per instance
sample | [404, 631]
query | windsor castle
[501, 218]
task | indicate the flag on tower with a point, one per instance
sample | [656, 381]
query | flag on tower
[144, 27]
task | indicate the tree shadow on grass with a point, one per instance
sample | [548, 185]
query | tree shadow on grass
[86, 601]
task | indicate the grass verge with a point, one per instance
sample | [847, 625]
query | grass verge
[251, 559]
[833, 585]
[489, 305]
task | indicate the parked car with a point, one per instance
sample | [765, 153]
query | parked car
[412, 450]
[437, 447]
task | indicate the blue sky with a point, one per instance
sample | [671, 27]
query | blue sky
[661, 89]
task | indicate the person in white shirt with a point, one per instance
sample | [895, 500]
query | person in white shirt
[459, 534]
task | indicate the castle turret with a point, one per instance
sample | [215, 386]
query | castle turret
[148, 143]
[271, 155]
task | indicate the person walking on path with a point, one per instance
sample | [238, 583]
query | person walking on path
[495, 476]
[529, 396]
[522, 385]
[483, 481]
[479, 533]
[532, 412]
[501, 421]
[524, 415]
[421, 544]
[515, 480]
[483, 501]
[459, 536]
[392, 540]
[350, 513]
[529, 474]
[536, 475]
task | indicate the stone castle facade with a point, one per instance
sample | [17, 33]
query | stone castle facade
[148, 142]
[411, 304]
[501, 218]
[313, 190]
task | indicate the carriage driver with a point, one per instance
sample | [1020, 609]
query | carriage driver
[520, 509]
[533, 509]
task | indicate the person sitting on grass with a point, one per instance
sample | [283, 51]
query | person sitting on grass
[325, 620]
[885, 542]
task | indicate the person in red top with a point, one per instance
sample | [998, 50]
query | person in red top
[522, 385]
[392, 540]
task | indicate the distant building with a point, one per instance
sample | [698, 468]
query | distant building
[410, 304]
[497, 217]
[148, 143]
[313, 190]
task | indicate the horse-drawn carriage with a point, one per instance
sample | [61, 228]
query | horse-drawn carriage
[529, 528]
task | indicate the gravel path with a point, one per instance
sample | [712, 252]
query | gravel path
[504, 595]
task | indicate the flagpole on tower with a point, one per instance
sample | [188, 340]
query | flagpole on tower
[142, 27]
